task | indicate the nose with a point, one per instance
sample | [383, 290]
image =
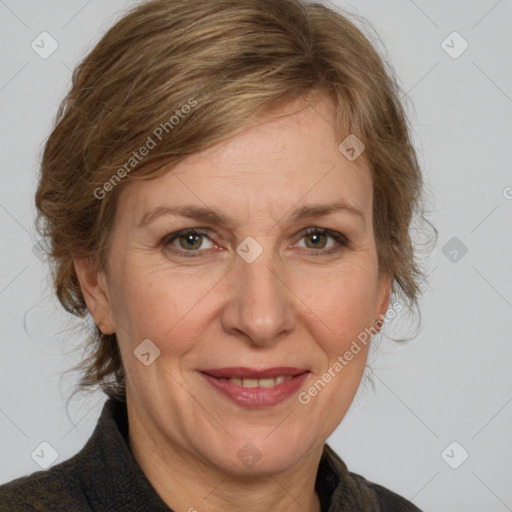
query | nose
[261, 306]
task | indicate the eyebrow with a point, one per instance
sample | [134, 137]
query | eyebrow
[215, 216]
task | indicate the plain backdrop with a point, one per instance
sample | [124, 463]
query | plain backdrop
[436, 428]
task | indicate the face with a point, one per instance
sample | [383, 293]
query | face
[263, 289]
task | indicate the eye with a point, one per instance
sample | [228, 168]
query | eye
[191, 241]
[316, 239]
[188, 240]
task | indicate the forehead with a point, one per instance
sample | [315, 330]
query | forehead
[266, 169]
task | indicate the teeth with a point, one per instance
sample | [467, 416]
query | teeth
[262, 383]
[267, 383]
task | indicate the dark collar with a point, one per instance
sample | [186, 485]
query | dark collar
[111, 475]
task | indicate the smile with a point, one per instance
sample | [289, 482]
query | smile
[256, 388]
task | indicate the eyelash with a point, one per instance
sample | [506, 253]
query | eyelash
[340, 239]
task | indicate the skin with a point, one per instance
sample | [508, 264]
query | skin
[295, 305]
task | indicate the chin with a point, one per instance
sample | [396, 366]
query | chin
[251, 456]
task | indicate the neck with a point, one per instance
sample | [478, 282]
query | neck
[187, 482]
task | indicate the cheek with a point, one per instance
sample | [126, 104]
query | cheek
[159, 304]
[342, 313]
[342, 305]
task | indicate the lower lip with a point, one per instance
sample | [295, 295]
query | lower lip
[257, 397]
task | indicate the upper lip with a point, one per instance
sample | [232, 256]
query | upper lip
[242, 372]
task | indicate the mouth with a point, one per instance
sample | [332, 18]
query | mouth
[256, 388]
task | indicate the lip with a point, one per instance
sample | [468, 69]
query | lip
[256, 397]
[242, 372]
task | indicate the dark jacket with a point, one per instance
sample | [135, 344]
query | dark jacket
[105, 476]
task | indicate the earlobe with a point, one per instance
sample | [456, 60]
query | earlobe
[95, 291]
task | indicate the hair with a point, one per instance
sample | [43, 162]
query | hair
[178, 76]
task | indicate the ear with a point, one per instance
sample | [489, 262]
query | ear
[95, 290]
[383, 295]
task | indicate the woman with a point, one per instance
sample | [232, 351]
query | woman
[227, 192]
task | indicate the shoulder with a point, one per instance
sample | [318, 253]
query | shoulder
[103, 475]
[342, 489]
[57, 489]
[65, 486]
[388, 500]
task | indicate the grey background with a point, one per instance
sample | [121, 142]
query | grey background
[452, 383]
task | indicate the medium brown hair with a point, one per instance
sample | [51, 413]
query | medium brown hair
[231, 62]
